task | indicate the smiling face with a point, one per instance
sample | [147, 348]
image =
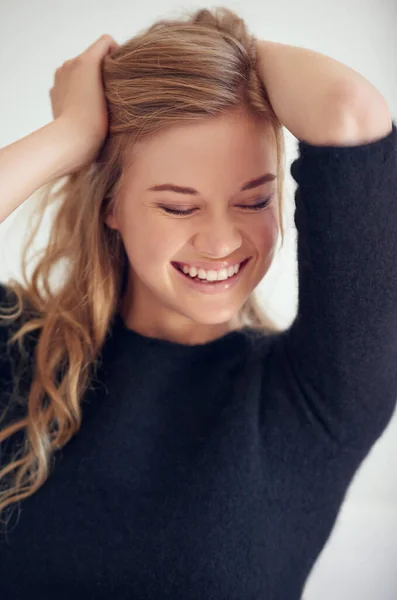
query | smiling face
[215, 158]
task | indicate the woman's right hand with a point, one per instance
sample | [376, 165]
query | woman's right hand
[78, 100]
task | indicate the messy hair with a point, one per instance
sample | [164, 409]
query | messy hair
[176, 71]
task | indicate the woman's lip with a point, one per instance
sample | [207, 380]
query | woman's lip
[220, 266]
[214, 287]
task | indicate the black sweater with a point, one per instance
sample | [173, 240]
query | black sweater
[216, 471]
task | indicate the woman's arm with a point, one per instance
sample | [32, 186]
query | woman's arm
[33, 161]
[320, 100]
[337, 362]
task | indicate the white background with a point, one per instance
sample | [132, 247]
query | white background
[359, 561]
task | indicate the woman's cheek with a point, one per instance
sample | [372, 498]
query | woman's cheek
[265, 232]
[155, 243]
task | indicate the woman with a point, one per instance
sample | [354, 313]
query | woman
[161, 437]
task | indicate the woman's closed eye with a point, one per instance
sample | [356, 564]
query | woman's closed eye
[258, 206]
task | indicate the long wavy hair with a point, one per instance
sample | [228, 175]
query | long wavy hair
[176, 71]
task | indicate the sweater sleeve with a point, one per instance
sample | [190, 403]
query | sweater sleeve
[341, 350]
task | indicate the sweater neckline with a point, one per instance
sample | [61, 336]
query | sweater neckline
[154, 343]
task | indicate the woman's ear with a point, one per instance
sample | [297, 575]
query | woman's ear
[111, 220]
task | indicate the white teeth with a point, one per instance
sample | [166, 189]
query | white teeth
[192, 272]
[222, 275]
[211, 275]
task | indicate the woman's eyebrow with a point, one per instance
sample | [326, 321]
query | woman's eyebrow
[171, 187]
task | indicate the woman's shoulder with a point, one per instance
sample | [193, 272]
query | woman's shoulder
[10, 354]
[7, 294]
[8, 301]
[14, 364]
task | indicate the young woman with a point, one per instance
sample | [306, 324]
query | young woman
[160, 437]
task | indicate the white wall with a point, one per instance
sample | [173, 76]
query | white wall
[360, 559]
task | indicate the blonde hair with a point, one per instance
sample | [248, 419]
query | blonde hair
[175, 72]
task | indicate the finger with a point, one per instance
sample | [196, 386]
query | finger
[102, 45]
[113, 48]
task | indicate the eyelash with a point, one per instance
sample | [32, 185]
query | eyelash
[259, 206]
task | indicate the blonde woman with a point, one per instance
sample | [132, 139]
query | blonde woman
[160, 436]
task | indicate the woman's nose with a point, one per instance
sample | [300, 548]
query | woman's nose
[218, 239]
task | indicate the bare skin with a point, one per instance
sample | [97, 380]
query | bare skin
[316, 98]
[215, 157]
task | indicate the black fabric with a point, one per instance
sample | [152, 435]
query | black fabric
[217, 471]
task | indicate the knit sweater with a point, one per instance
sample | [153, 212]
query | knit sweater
[217, 470]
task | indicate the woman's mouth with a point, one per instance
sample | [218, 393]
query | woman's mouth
[212, 286]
